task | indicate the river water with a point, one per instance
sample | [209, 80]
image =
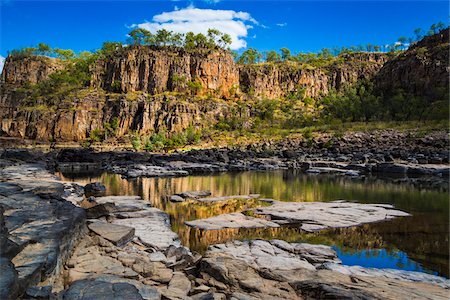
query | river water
[417, 243]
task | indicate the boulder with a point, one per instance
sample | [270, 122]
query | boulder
[95, 189]
[117, 234]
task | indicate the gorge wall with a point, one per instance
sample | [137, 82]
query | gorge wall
[157, 70]
[278, 80]
[423, 70]
[147, 88]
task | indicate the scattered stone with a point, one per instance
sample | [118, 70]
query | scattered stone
[95, 189]
[119, 235]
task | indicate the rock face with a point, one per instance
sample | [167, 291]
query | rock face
[422, 70]
[75, 122]
[156, 70]
[278, 80]
[39, 231]
[34, 69]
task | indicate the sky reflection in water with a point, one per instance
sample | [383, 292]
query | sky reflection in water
[419, 243]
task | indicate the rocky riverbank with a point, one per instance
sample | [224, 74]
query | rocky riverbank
[59, 244]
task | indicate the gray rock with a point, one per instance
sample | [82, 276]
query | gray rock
[176, 198]
[315, 216]
[95, 189]
[117, 234]
[39, 292]
[233, 220]
[389, 274]
[194, 194]
[100, 210]
[95, 289]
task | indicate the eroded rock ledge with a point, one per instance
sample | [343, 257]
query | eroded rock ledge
[39, 228]
[310, 216]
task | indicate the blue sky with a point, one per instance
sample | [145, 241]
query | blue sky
[299, 25]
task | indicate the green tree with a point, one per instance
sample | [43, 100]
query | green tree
[139, 36]
[213, 36]
[163, 37]
[285, 53]
[225, 41]
[249, 56]
[440, 26]
[418, 33]
[272, 56]
[43, 49]
[201, 41]
[109, 48]
[177, 39]
[64, 54]
[189, 41]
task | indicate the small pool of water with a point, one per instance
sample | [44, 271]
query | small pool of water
[418, 243]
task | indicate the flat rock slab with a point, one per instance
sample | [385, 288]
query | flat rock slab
[152, 225]
[314, 216]
[96, 289]
[117, 234]
[389, 274]
[277, 254]
[311, 216]
[233, 220]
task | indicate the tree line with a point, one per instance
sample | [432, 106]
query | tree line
[214, 39]
[252, 55]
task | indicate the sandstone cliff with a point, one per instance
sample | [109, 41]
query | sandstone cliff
[33, 69]
[154, 70]
[275, 80]
[423, 70]
[76, 121]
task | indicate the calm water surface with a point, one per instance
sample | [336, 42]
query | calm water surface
[417, 243]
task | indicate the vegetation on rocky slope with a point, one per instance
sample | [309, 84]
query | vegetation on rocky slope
[283, 95]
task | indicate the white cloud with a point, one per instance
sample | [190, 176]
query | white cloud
[282, 24]
[197, 20]
[2, 63]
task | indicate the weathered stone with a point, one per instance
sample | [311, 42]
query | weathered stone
[95, 289]
[39, 292]
[117, 234]
[388, 274]
[194, 194]
[94, 189]
[313, 216]
[152, 225]
[232, 220]
[100, 210]
[176, 198]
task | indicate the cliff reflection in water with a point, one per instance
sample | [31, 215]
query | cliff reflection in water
[422, 238]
